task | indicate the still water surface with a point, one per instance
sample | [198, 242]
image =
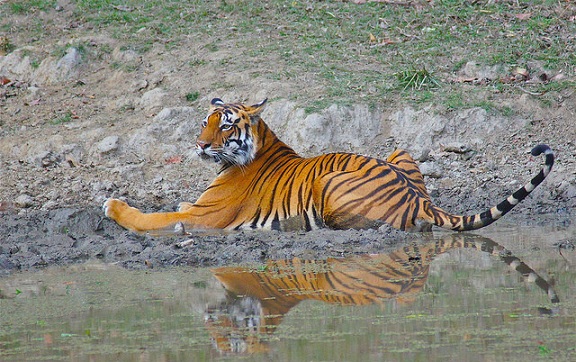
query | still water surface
[508, 295]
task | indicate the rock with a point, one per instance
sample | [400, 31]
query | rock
[49, 205]
[152, 99]
[72, 153]
[24, 201]
[45, 159]
[171, 132]
[66, 68]
[16, 65]
[337, 128]
[431, 169]
[138, 85]
[105, 185]
[417, 131]
[456, 147]
[108, 144]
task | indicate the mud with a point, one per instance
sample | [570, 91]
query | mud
[76, 235]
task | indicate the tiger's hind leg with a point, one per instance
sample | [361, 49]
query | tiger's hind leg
[183, 206]
[361, 199]
[405, 164]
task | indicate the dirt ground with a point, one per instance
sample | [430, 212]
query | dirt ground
[77, 129]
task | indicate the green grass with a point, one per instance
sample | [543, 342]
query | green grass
[30, 6]
[417, 79]
[329, 44]
[64, 118]
[192, 96]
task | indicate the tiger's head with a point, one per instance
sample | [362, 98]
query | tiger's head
[227, 135]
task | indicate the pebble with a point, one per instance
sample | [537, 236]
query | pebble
[430, 169]
[108, 144]
[457, 147]
[24, 201]
[49, 205]
[45, 159]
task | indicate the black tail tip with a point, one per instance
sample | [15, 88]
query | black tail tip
[540, 149]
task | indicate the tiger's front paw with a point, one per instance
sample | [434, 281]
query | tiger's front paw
[113, 208]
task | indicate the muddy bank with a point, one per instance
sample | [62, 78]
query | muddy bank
[75, 235]
[70, 236]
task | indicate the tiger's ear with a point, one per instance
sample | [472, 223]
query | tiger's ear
[256, 109]
[215, 103]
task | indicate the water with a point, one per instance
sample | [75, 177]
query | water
[430, 300]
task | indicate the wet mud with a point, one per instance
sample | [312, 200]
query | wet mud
[75, 235]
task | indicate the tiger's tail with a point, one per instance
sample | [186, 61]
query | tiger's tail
[477, 221]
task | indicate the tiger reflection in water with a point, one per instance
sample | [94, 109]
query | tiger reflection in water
[257, 300]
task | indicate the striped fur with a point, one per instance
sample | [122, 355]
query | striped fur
[264, 184]
[260, 298]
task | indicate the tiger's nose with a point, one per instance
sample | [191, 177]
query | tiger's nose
[202, 145]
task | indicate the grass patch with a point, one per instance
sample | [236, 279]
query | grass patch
[192, 96]
[416, 79]
[64, 118]
[23, 7]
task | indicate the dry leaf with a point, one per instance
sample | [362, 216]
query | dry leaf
[4, 80]
[173, 159]
[372, 38]
[466, 79]
[522, 71]
[524, 16]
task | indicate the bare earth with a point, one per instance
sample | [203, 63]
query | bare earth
[78, 129]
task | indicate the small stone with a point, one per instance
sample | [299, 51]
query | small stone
[49, 205]
[456, 147]
[46, 159]
[139, 85]
[431, 169]
[108, 144]
[24, 201]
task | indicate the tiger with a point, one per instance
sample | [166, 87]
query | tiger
[264, 184]
[258, 298]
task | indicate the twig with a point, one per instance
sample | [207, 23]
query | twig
[529, 92]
